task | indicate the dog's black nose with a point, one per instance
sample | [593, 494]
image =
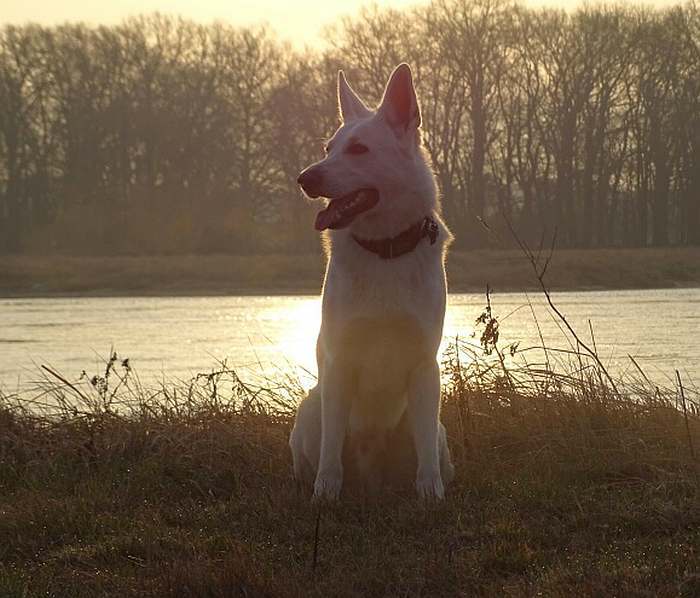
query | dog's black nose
[310, 181]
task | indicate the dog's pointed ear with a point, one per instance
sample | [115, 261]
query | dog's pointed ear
[350, 105]
[400, 105]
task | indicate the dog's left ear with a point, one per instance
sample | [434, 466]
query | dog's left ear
[400, 105]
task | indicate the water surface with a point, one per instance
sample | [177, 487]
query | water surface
[177, 337]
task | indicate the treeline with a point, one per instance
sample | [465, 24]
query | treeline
[165, 136]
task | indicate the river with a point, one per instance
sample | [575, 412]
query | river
[176, 337]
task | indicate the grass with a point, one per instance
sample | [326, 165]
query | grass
[565, 487]
[223, 274]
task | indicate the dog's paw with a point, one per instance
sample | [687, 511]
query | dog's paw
[430, 487]
[328, 485]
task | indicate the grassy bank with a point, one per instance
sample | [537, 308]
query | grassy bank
[224, 274]
[565, 486]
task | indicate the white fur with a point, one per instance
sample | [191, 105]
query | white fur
[382, 320]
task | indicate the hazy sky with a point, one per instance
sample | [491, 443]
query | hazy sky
[297, 20]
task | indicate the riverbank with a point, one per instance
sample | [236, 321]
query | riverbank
[565, 486]
[37, 276]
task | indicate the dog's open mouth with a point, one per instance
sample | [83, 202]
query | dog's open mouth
[341, 211]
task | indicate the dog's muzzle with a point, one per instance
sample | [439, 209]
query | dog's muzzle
[311, 180]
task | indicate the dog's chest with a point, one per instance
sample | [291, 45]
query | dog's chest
[389, 344]
[383, 319]
[381, 353]
[408, 295]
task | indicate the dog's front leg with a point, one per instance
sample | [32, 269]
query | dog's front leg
[335, 410]
[423, 414]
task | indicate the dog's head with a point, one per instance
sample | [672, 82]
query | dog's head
[374, 166]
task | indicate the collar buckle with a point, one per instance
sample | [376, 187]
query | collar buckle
[430, 229]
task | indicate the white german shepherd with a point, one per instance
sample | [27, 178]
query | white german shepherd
[384, 292]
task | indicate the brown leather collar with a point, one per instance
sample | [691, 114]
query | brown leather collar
[404, 242]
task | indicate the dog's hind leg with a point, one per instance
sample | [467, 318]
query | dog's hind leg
[423, 414]
[303, 471]
[296, 444]
[305, 439]
[447, 470]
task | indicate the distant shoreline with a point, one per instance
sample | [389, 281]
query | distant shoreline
[218, 275]
[262, 292]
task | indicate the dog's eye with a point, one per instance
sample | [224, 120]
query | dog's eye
[357, 148]
[326, 148]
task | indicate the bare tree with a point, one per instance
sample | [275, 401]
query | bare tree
[474, 38]
[160, 134]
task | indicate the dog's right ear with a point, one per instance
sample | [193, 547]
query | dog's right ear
[399, 105]
[350, 105]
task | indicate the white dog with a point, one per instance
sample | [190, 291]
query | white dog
[384, 292]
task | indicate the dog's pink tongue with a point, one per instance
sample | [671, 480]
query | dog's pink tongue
[326, 218]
